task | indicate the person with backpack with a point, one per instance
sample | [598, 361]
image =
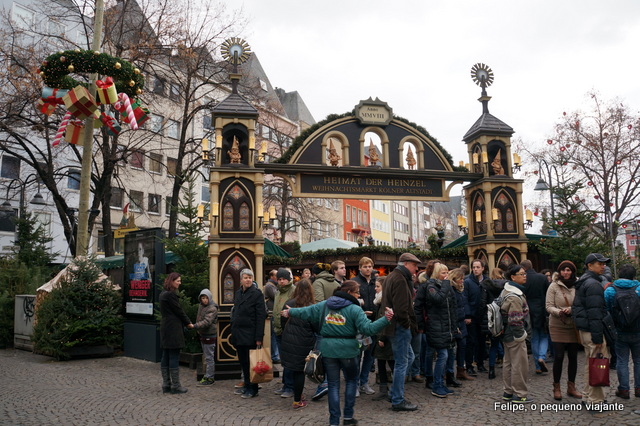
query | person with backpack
[563, 331]
[622, 300]
[489, 290]
[588, 311]
[515, 314]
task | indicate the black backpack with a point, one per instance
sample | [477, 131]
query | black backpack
[626, 309]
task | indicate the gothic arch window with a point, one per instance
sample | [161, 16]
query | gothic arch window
[506, 257]
[230, 276]
[236, 209]
[507, 221]
[476, 158]
[479, 214]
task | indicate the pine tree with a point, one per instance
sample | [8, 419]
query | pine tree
[82, 311]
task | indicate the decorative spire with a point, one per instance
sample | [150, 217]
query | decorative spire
[235, 51]
[482, 75]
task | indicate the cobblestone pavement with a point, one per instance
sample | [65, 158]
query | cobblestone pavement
[37, 390]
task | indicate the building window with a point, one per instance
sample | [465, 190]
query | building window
[136, 199]
[156, 123]
[205, 195]
[348, 214]
[174, 93]
[117, 197]
[173, 129]
[167, 206]
[158, 86]
[172, 165]
[154, 203]
[57, 29]
[10, 167]
[207, 123]
[155, 163]
[137, 159]
[22, 17]
[73, 180]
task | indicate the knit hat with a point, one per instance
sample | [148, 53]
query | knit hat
[567, 264]
[319, 267]
[283, 273]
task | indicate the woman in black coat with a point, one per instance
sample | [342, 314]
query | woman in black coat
[172, 334]
[298, 338]
[490, 289]
[437, 298]
[247, 326]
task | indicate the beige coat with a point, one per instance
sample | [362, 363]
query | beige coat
[561, 327]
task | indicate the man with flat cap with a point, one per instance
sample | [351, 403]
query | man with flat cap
[398, 294]
[588, 311]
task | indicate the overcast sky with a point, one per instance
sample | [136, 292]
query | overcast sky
[417, 55]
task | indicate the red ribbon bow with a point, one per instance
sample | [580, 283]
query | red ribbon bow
[105, 84]
[53, 100]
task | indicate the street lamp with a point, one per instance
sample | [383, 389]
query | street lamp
[37, 199]
[541, 185]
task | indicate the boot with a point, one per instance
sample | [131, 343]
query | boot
[451, 380]
[557, 393]
[383, 395]
[166, 380]
[428, 382]
[480, 367]
[571, 390]
[175, 381]
[462, 374]
[492, 372]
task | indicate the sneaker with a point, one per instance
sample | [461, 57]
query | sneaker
[472, 371]
[249, 394]
[299, 405]
[276, 361]
[507, 396]
[523, 400]
[404, 406]
[349, 422]
[357, 392]
[439, 392]
[239, 385]
[287, 394]
[279, 391]
[367, 389]
[239, 391]
[206, 381]
[320, 392]
[447, 390]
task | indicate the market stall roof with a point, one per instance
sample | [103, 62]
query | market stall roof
[270, 248]
[462, 241]
[327, 243]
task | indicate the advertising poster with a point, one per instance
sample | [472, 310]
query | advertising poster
[143, 263]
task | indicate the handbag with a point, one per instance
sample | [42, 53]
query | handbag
[260, 366]
[599, 371]
[313, 364]
[313, 367]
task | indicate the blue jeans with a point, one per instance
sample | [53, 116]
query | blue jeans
[403, 355]
[625, 343]
[170, 358]
[416, 344]
[438, 369]
[349, 367]
[539, 345]
[426, 357]
[495, 351]
[451, 359]
[287, 374]
[367, 362]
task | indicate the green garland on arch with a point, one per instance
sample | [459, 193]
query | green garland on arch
[56, 68]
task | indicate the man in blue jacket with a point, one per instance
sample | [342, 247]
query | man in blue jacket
[626, 291]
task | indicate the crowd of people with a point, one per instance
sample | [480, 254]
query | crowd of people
[428, 326]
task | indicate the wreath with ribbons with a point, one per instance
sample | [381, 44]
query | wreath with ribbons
[56, 69]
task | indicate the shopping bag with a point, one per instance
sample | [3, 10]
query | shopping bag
[260, 366]
[599, 371]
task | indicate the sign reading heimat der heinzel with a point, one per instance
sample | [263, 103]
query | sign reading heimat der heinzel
[371, 186]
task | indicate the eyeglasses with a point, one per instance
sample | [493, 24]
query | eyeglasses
[521, 273]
